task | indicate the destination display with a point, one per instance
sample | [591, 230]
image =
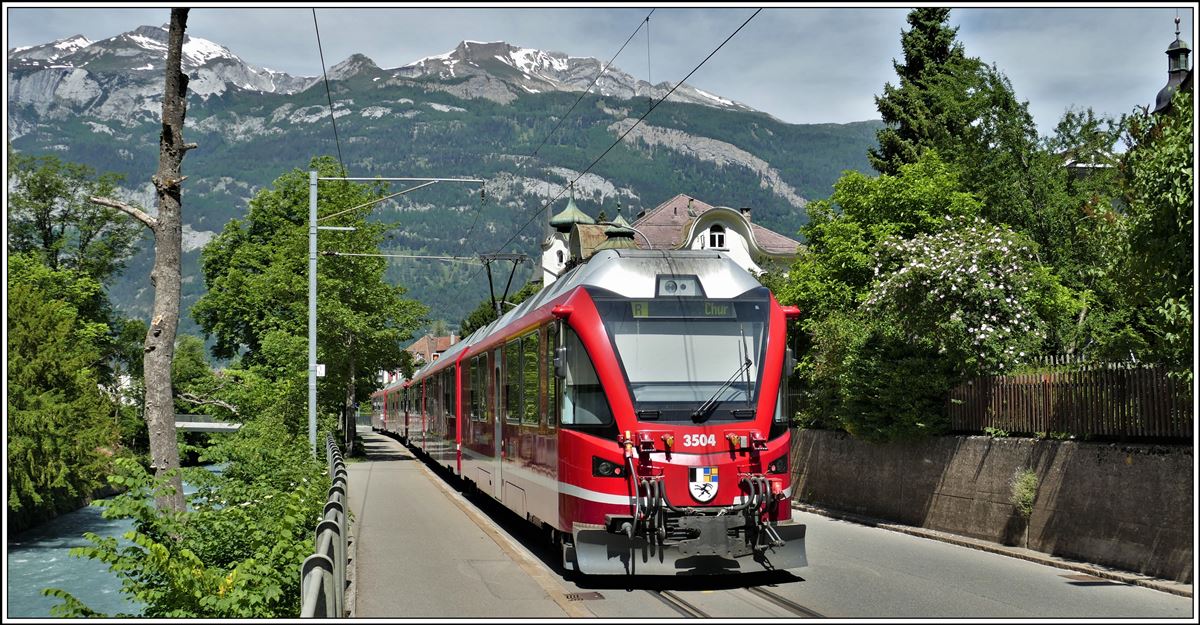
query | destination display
[644, 309]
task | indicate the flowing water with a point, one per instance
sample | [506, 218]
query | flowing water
[40, 558]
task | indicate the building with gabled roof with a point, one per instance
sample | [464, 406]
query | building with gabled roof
[683, 222]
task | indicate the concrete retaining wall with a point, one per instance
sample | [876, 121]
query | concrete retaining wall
[1125, 506]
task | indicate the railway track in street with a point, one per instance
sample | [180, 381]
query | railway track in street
[784, 602]
[678, 603]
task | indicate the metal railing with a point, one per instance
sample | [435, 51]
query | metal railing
[323, 575]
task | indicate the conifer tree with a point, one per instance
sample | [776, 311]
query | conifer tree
[925, 109]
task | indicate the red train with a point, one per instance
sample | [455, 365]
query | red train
[634, 408]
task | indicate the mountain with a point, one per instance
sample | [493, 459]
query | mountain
[480, 110]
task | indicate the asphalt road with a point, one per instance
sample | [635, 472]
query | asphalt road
[854, 571]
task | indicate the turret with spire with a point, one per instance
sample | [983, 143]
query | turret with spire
[570, 215]
[619, 233]
[556, 248]
[1178, 70]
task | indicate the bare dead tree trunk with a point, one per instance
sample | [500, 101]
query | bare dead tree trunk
[166, 276]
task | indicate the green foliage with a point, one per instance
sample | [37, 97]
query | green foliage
[978, 246]
[995, 432]
[481, 142]
[868, 377]
[1024, 487]
[1160, 185]
[62, 429]
[836, 267]
[256, 304]
[236, 550]
[190, 364]
[49, 212]
[927, 108]
[974, 291]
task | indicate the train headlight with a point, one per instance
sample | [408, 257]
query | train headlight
[679, 286]
[778, 465]
[606, 468]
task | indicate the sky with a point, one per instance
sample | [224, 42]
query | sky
[801, 64]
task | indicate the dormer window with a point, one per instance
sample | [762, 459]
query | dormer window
[716, 236]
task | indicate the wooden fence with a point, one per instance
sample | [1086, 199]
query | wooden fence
[1120, 400]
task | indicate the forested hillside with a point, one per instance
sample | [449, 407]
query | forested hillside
[428, 126]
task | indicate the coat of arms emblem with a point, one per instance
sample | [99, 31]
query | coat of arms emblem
[702, 482]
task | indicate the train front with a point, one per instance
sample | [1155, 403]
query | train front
[691, 474]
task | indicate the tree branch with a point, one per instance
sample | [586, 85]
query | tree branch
[132, 211]
[192, 398]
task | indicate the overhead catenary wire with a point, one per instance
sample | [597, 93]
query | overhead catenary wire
[645, 22]
[329, 95]
[630, 129]
[461, 259]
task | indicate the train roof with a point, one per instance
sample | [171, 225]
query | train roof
[626, 272]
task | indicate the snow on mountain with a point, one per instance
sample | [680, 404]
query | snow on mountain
[536, 71]
[118, 77]
[71, 44]
[51, 51]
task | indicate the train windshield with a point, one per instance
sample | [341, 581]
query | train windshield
[689, 358]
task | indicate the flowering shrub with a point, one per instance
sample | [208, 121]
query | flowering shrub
[974, 291]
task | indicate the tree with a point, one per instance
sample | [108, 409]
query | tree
[835, 268]
[50, 216]
[1159, 186]
[49, 212]
[166, 276]
[256, 305]
[61, 427]
[967, 111]
[926, 108]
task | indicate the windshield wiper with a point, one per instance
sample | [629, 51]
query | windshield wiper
[704, 408]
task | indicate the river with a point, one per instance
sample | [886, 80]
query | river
[40, 558]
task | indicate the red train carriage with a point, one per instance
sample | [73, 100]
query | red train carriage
[634, 407]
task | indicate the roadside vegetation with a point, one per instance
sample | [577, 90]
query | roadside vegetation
[977, 249]
[236, 550]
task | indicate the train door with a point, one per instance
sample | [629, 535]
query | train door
[498, 398]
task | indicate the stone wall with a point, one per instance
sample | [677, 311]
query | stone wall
[1125, 506]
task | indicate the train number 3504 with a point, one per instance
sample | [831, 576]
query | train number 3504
[699, 440]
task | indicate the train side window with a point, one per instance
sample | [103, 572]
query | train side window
[435, 397]
[512, 382]
[485, 386]
[529, 379]
[477, 413]
[584, 403]
[542, 380]
[479, 374]
[451, 385]
[548, 378]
